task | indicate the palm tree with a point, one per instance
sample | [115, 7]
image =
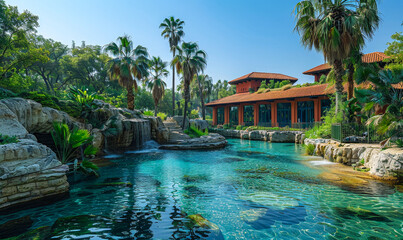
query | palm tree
[336, 27]
[129, 66]
[155, 82]
[173, 30]
[352, 62]
[202, 81]
[209, 88]
[189, 61]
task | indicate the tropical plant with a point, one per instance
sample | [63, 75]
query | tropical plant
[194, 114]
[173, 31]
[84, 99]
[148, 113]
[189, 61]
[155, 80]
[336, 27]
[203, 81]
[69, 142]
[395, 51]
[162, 115]
[129, 66]
[385, 95]
[309, 149]
[5, 139]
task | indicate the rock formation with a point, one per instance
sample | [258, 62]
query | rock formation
[263, 135]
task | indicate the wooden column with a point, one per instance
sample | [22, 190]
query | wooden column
[256, 114]
[215, 115]
[294, 112]
[240, 114]
[274, 113]
[226, 114]
[316, 108]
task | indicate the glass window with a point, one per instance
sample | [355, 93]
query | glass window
[306, 112]
[248, 116]
[220, 116]
[325, 105]
[233, 116]
[284, 114]
[265, 115]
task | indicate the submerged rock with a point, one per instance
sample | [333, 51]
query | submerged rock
[195, 178]
[200, 221]
[253, 215]
[40, 233]
[15, 227]
[269, 199]
[349, 212]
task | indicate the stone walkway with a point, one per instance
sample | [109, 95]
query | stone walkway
[176, 133]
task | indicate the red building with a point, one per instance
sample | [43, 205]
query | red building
[300, 106]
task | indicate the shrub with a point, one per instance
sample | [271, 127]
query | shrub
[42, 98]
[4, 93]
[70, 107]
[239, 127]
[148, 113]
[84, 99]
[251, 90]
[309, 149]
[5, 139]
[193, 132]
[194, 114]
[226, 126]
[399, 143]
[162, 115]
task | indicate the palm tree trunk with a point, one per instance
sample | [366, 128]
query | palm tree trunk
[350, 90]
[338, 70]
[130, 98]
[173, 87]
[187, 98]
[201, 98]
[155, 108]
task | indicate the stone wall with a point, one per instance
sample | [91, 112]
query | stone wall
[263, 135]
[29, 171]
[381, 163]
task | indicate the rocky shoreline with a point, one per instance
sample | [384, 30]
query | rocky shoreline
[380, 163]
[211, 141]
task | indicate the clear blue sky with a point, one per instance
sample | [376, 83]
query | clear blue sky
[239, 36]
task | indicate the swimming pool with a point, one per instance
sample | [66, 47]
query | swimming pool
[249, 190]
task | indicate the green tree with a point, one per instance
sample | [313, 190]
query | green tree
[155, 81]
[173, 31]
[395, 51]
[129, 66]
[51, 71]
[336, 27]
[189, 61]
[16, 51]
[385, 94]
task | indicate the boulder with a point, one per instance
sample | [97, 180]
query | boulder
[15, 227]
[179, 120]
[9, 124]
[211, 141]
[159, 132]
[283, 136]
[199, 124]
[387, 163]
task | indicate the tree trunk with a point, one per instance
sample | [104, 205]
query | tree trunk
[173, 87]
[130, 98]
[155, 108]
[201, 98]
[187, 98]
[338, 70]
[350, 90]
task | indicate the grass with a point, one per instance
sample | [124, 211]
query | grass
[309, 149]
[5, 139]
[193, 132]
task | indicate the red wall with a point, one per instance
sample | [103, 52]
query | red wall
[244, 86]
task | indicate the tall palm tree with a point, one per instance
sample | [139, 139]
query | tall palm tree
[352, 62]
[189, 61]
[129, 66]
[173, 30]
[209, 88]
[202, 81]
[336, 27]
[155, 80]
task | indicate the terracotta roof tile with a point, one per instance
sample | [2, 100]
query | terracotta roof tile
[310, 91]
[261, 75]
[366, 58]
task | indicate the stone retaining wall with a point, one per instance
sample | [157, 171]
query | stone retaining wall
[381, 163]
[29, 171]
[263, 135]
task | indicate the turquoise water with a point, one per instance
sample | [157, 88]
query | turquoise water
[250, 190]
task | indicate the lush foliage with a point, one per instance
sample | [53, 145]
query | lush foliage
[193, 132]
[69, 142]
[395, 51]
[5, 139]
[162, 115]
[336, 28]
[156, 82]
[309, 149]
[385, 94]
[325, 129]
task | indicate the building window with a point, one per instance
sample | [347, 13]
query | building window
[265, 115]
[248, 115]
[284, 114]
[324, 106]
[233, 116]
[220, 115]
[306, 113]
